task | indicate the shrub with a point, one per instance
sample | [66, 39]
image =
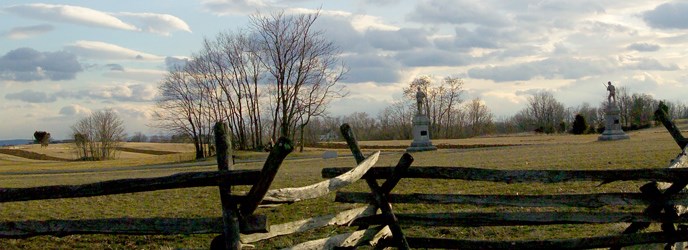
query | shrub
[579, 125]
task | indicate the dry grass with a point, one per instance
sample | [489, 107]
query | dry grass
[647, 148]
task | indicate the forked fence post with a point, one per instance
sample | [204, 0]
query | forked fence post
[653, 192]
[671, 127]
[230, 212]
[379, 193]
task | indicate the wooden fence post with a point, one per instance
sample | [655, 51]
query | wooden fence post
[230, 213]
[671, 127]
[280, 151]
[378, 192]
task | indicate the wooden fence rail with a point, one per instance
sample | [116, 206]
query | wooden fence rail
[122, 186]
[523, 176]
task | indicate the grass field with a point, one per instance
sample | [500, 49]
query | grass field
[651, 148]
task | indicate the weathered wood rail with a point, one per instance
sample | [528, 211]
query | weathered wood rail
[663, 204]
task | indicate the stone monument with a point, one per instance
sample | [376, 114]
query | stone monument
[421, 127]
[612, 125]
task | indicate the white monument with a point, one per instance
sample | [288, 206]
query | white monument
[421, 127]
[612, 124]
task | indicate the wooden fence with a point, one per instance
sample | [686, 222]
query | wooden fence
[664, 204]
[238, 210]
[377, 222]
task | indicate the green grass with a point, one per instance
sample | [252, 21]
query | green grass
[651, 148]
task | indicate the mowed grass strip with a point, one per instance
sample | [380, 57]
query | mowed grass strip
[651, 148]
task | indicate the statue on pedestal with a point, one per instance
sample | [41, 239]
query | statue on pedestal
[421, 127]
[612, 118]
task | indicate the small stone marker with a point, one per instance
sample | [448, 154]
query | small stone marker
[329, 154]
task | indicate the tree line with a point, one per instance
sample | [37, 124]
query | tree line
[542, 113]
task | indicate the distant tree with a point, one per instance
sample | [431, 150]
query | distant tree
[365, 126]
[642, 110]
[542, 114]
[42, 137]
[579, 125]
[395, 121]
[98, 136]
[588, 112]
[138, 137]
[479, 118]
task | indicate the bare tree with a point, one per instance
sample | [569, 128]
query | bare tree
[479, 118]
[302, 64]
[279, 66]
[180, 108]
[98, 136]
[395, 122]
[543, 112]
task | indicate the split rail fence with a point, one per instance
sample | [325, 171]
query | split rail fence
[377, 223]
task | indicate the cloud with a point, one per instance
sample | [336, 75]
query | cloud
[241, 7]
[70, 14]
[114, 67]
[27, 64]
[28, 31]
[402, 39]
[126, 93]
[639, 63]
[139, 75]
[173, 63]
[371, 68]
[162, 24]
[74, 110]
[380, 2]
[31, 96]
[644, 47]
[457, 12]
[672, 15]
[432, 57]
[550, 68]
[107, 51]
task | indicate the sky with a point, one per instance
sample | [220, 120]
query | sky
[61, 60]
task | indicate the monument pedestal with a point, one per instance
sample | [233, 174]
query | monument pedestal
[421, 135]
[612, 125]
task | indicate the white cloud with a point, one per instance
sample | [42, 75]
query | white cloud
[74, 110]
[107, 51]
[28, 31]
[229, 7]
[70, 14]
[31, 96]
[163, 24]
[141, 75]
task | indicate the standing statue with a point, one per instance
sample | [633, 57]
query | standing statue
[420, 96]
[612, 92]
